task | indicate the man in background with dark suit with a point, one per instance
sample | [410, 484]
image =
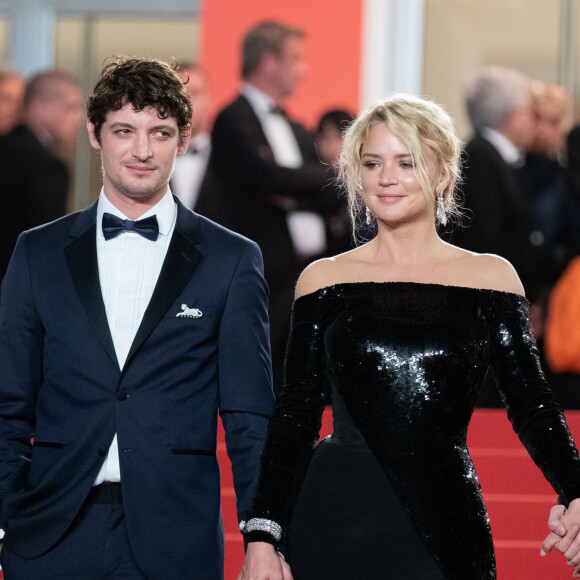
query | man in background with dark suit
[34, 182]
[191, 167]
[266, 180]
[124, 329]
[497, 217]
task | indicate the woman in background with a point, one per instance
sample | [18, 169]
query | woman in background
[403, 328]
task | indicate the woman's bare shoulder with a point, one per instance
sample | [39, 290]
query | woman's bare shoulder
[494, 273]
[315, 276]
[323, 273]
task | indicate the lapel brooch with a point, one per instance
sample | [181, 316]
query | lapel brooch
[189, 312]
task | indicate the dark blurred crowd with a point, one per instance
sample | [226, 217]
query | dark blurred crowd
[521, 198]
[258, 171]
[39, 120]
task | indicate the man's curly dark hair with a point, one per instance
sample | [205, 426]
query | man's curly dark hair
[143, 82]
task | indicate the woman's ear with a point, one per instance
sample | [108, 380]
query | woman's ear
[444, 179]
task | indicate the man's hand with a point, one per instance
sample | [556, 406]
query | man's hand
[564, 535]
[262, 562]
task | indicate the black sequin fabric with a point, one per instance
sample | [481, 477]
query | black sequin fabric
[408, 360]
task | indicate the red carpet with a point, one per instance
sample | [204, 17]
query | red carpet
[518, 499]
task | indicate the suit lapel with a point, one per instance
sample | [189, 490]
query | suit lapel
[81, 255]
[245, 106]
[512, 188]
[180, 263]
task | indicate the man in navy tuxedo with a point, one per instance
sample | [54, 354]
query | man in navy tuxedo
[124, 329]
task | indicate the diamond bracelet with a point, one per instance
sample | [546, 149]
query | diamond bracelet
[262, 525]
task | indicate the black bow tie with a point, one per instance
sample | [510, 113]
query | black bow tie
[277, 110]
[113, 226]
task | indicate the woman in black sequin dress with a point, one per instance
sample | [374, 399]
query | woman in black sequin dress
[403, 329]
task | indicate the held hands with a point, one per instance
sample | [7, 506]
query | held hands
[564, 536]
[262, 562]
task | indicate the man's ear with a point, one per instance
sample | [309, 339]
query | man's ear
[184, 137]
[92, 137]
[270, 62]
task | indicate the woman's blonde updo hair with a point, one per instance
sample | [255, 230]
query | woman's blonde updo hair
[415, 122]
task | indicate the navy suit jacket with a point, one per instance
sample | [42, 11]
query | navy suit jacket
[60, 382]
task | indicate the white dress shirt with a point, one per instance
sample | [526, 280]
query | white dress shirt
[190, 170]
[306, 228]
[278, 131]
[129, 266]
[508, 151]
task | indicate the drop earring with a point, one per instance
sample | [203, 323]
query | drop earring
[369, 216]
[441, 215]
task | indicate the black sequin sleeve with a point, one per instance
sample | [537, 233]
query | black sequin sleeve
[531, 405]
[295, 425]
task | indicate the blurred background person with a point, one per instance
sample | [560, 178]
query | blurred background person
[328, 135]
[328, 140]
[34, 181]
[497, 220]
[550, 104]
[190, 169]
[544, 179]
[12, 87]
[264, 169]
[544, 182]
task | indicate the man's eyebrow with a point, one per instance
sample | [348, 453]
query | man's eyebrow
[121, 125]
[164, 128]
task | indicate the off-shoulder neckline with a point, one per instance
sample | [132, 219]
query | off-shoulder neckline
[387, 283]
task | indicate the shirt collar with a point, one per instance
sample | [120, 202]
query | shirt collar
[509, 152]
[165, 210]
[259, 101]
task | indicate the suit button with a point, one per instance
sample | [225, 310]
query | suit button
[102, 450]
[122, 396]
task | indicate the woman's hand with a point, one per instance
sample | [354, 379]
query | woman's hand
[262, 562]
[564, 536]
